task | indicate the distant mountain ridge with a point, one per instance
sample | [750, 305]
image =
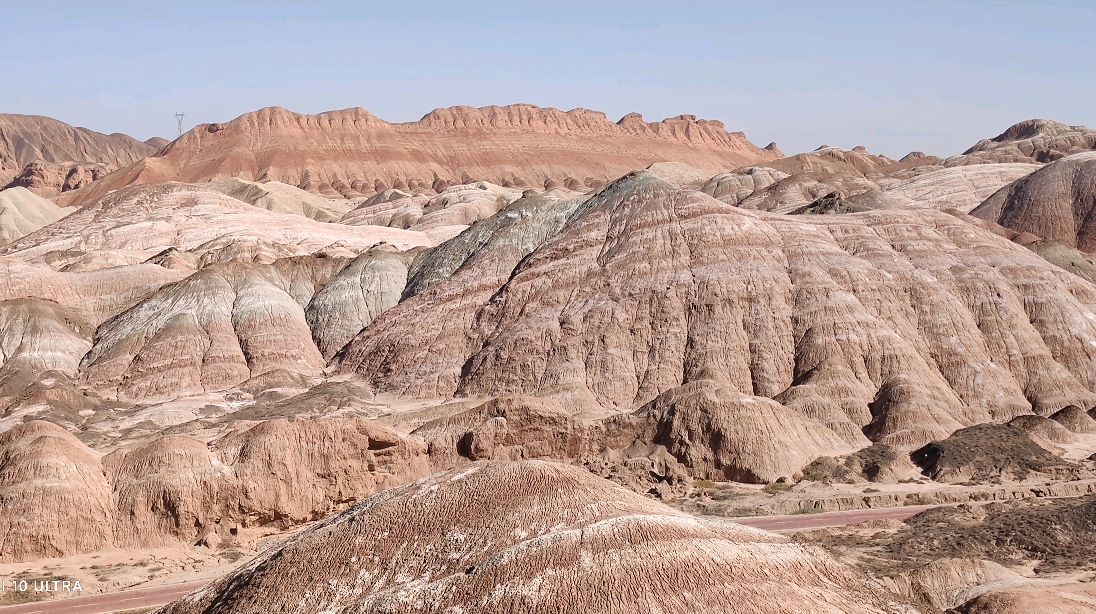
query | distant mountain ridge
[351, 152]
[49, 156]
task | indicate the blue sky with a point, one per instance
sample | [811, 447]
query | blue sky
[893, 76]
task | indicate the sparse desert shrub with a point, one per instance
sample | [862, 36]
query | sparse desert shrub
[987, 452]
[776, 488]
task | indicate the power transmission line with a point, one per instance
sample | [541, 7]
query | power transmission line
[179, 118]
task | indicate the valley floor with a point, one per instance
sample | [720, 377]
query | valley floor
[123, 580]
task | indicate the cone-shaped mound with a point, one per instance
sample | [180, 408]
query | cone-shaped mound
[533, 537]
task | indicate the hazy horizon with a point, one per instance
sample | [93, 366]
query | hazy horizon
[933, 77]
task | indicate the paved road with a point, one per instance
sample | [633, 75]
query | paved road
[797, 522]
[109, 602]
[160, 595]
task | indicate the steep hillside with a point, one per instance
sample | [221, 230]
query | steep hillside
[59, 156]
[1055, 202]
[896, 326]
[534, 537]
[1033, 140]
[22, 212]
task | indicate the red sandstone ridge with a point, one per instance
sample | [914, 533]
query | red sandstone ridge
[351, 152]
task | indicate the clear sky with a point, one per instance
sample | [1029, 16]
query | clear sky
[894, 76]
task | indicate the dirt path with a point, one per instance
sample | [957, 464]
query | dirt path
[109, 602]
[797, 522]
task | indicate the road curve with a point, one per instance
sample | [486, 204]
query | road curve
[164, 594]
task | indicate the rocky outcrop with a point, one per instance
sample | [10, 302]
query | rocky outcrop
[51, 396]
[291, 472]
[370, 285]
[1055, 202]
[54, 179]
[514, 428]
[55, 497]
[1046, 599]
[721, 434]
[801, 189]
[390, 208]
[876, 182]
[842, 162]
[890, 326]
[675, 173]
[217, 328]
[464, 205]
[916, 159]
[62, 499]
[351, 152]
[38, 336]
[1033, 140]
[498, 243]
[276, 473]
[833, 203]
[173, 488]
[447, 214]
[700, 430]
[734, 187]
[50, 156]
[535, 537]
[143, 221]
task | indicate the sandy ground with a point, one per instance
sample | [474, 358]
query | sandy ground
[1081, 449]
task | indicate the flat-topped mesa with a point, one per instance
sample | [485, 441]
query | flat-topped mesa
[534, 119]
[514, 116]
[349, 153]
